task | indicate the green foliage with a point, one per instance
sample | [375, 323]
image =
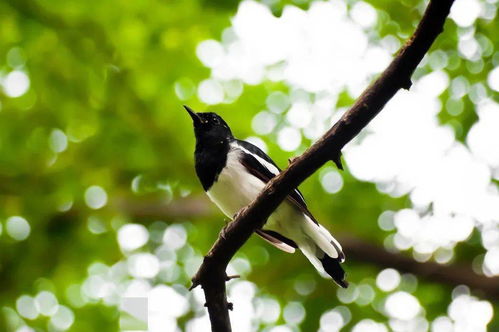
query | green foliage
[107, 81]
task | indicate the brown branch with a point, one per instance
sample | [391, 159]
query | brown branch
[452, 274]
[211, 275]
[153, 207]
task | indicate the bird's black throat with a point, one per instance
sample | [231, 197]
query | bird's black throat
[211, 157]
[213, 137]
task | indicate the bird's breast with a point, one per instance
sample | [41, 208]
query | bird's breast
[235, 187]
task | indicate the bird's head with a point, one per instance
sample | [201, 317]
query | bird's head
[209, 126]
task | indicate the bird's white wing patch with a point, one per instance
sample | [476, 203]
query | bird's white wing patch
[274, 170]
[269, 166]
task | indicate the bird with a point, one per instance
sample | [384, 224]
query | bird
[233, 172]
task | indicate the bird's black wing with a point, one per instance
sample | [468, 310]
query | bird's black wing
[266, 170]
[277, 240]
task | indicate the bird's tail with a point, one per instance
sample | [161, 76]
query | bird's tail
[325, 264]
[324, 252]
[333, 268]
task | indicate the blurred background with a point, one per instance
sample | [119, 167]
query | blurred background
[99, 200]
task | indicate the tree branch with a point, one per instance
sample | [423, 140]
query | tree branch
[211, 274]
[155, 206]
[452, 274]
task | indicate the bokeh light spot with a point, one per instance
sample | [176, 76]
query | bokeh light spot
[277, 102]
[257, 141]
[63, 318]
[210, 52]
[368, 325]
[264, 123]
[385, 220]
[402, 305]
[388, 279]
[294, 313]
[175, 237]
[289, 139]
[493, 79]
[18, 228]
[143, 265]
[95, 197]
[167, 301]
[305, 285]
[349, 294]
[16, 57]
[46, 303]
[363, 14]
[132, 236]
[268, 310]
[26, 307]
[465, 12]
[58, 141]
[331, 320]
[491, 261]
[281, 328]
[16, 84]
[366, 295]
[211, 92]
[332, 181]
[442, 324]
[467, 311]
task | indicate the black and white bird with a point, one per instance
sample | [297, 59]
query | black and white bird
[233, 172]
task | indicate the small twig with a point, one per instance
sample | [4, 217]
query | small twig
[232, 277]
[337, 161]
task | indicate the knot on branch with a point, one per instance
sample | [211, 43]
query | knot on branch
[406, 84]
[230, 305]
[209, 273]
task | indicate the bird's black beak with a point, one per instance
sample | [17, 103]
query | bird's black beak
[195, 117]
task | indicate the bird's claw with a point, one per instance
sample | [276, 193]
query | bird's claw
[223, 232]
[238, 213]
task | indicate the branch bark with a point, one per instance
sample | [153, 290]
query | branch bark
[211, 274]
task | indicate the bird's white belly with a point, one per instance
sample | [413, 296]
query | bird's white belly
[236, 188]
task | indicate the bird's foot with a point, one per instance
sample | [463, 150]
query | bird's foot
[238, 213]
[223, 232]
